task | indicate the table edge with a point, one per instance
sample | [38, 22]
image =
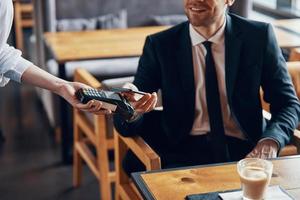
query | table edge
[142, 186]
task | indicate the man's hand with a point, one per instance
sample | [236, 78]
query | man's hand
[264, 149]
[143, 105]
[67, 91]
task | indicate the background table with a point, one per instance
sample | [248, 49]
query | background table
[286, 39]
[289, 25]
[76, 46]
[287, 32]
[176, 184]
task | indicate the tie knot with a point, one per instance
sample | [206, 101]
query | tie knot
[207, 45]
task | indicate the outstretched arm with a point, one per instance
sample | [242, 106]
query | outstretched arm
[40, 78]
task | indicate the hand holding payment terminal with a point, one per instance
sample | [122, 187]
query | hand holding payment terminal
[111, 100]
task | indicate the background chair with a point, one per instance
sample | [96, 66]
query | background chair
[242, 7]
[23, 11]
[295, 55]
[92, 131]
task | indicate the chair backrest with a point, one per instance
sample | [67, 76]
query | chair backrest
[295, 55]
[242, 7]
[23, 18]
[294, 70]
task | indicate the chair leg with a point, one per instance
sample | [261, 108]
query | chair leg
[105, 188]
[121, 178]
[18, 26]
[77, 169]
[77, 160]
[103, 165]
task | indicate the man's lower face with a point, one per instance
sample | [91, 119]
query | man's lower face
[204, 13]
[198, 17]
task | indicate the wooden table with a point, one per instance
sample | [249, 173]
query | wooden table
[289, 25]
[76, 46]
[176, 184]
[287, 39]
[287, 32]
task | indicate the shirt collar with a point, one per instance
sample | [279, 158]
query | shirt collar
[197, 38]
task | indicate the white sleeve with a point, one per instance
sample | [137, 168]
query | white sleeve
[12, 65]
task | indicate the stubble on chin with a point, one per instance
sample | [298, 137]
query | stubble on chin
[200, 22]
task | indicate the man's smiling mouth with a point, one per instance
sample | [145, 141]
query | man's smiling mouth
[195, 9]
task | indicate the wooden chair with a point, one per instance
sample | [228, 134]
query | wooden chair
[294, 71]
[23, 18]
[295, 55]
[125, 189]
[95, 134]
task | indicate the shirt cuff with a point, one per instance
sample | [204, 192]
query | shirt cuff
[134, 118]
[17, 72]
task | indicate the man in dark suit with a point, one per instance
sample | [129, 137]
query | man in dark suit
[210, 71]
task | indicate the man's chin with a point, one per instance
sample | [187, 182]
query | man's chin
[200, 23]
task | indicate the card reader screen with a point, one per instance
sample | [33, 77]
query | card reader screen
[112, 95]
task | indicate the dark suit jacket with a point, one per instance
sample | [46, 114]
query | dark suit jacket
[252, 60]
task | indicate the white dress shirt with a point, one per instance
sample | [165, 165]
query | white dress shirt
[201, 123]
[12, 65]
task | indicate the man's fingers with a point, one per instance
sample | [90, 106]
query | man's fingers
[263, 153]
[148, 104]
[264, 156]
[129, 96]
[265, 149]
[149, 107]
[142, 101]
[253, 154]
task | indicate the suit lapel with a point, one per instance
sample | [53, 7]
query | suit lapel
[185, 59]
[183, 63]
[233, 46]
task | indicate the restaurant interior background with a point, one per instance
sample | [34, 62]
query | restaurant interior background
[36, 135]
